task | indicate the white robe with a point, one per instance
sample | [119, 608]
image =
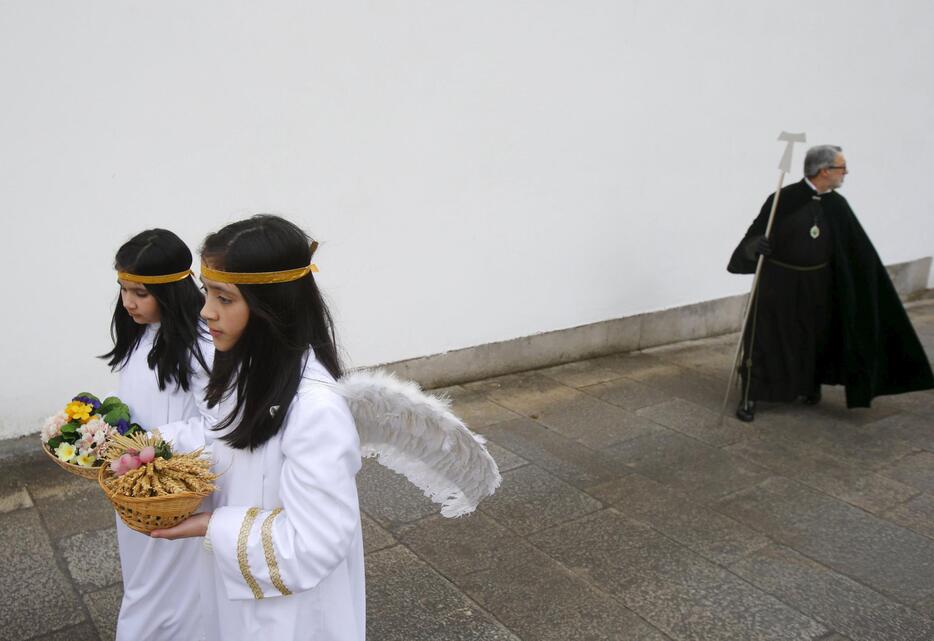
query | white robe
[286, 559]
[161, 595]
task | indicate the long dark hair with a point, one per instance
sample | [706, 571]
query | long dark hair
[264, 368]
[157, 252]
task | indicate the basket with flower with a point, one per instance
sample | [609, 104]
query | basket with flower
[75, 437]
[149, 485]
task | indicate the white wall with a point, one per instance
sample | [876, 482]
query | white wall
[477, 171]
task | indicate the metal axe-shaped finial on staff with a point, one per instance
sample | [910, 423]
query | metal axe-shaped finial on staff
[784, 166]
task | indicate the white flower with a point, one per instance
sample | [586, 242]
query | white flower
[94, 426]
[53, 426]
[86, 458]
[66, 452]
[94, 433]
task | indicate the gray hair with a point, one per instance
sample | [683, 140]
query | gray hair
[820, 157]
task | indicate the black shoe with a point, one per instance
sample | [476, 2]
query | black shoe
[812, 399]
[746, 412]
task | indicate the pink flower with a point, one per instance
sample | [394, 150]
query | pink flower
[53, 426]
[95, 429]
[147, 454]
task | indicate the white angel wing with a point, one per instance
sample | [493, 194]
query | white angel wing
[417, 435]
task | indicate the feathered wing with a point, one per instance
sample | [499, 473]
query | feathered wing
[417, 435]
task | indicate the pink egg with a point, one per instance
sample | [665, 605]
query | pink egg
[117, 468]
[132, 462]
[147, 454]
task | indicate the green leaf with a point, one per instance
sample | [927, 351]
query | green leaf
[115, 415]
[69, 428]
[54, 442]
[110, 403]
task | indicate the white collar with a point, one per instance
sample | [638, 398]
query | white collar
[811, 185]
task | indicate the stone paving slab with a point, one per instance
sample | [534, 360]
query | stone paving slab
[686, 384]
[388, 498]
[912, 429]
[474, 408]
[884, 556]
[674, 589]
[710, 357]
[15, 499]
[626, 513]
[505, 460]
[531, 499]
[527, 393]
[416, 602]
[925, 607]
[855, 444]
[581, 373]
[698, 527]
[631, 365]
[43, 478]
[696, 421]
[691, 466]
[458, 548]
[81, 632]
[822, 471]
[916, 470]
[38, 597]
[92, 559]
[915, 514]
[592, 422]
[835, 600]
[539, 599]
[374, 537]
[104, 606]
[570, 461]
[920, 403]
[627, 393]
[80, 510]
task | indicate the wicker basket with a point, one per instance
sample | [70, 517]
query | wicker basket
[152, 512]
[89, 473]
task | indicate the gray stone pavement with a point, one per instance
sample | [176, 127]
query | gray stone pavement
[625, 513]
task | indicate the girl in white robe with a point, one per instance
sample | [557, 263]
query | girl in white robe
[163, 356]
[286, 550]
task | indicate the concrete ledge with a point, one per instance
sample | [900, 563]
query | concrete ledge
[630, 333]
[911, 278]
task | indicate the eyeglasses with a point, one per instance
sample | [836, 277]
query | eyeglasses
[843, 167]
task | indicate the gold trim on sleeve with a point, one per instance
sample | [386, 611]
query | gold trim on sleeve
[241, 551]
[270, 553]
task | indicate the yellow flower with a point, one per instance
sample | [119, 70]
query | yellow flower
[78, 411]
[86, 459]
[65, 452]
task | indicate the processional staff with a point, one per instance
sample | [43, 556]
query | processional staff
[784, 167]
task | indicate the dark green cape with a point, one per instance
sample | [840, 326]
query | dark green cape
[876, 350]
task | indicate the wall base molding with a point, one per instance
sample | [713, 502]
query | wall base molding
[630, 333]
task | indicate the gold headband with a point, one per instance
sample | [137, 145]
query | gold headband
[257, 278]
[155, 280]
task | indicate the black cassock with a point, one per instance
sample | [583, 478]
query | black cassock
[826, 310]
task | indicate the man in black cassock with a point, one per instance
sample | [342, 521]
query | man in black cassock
[825, 311]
